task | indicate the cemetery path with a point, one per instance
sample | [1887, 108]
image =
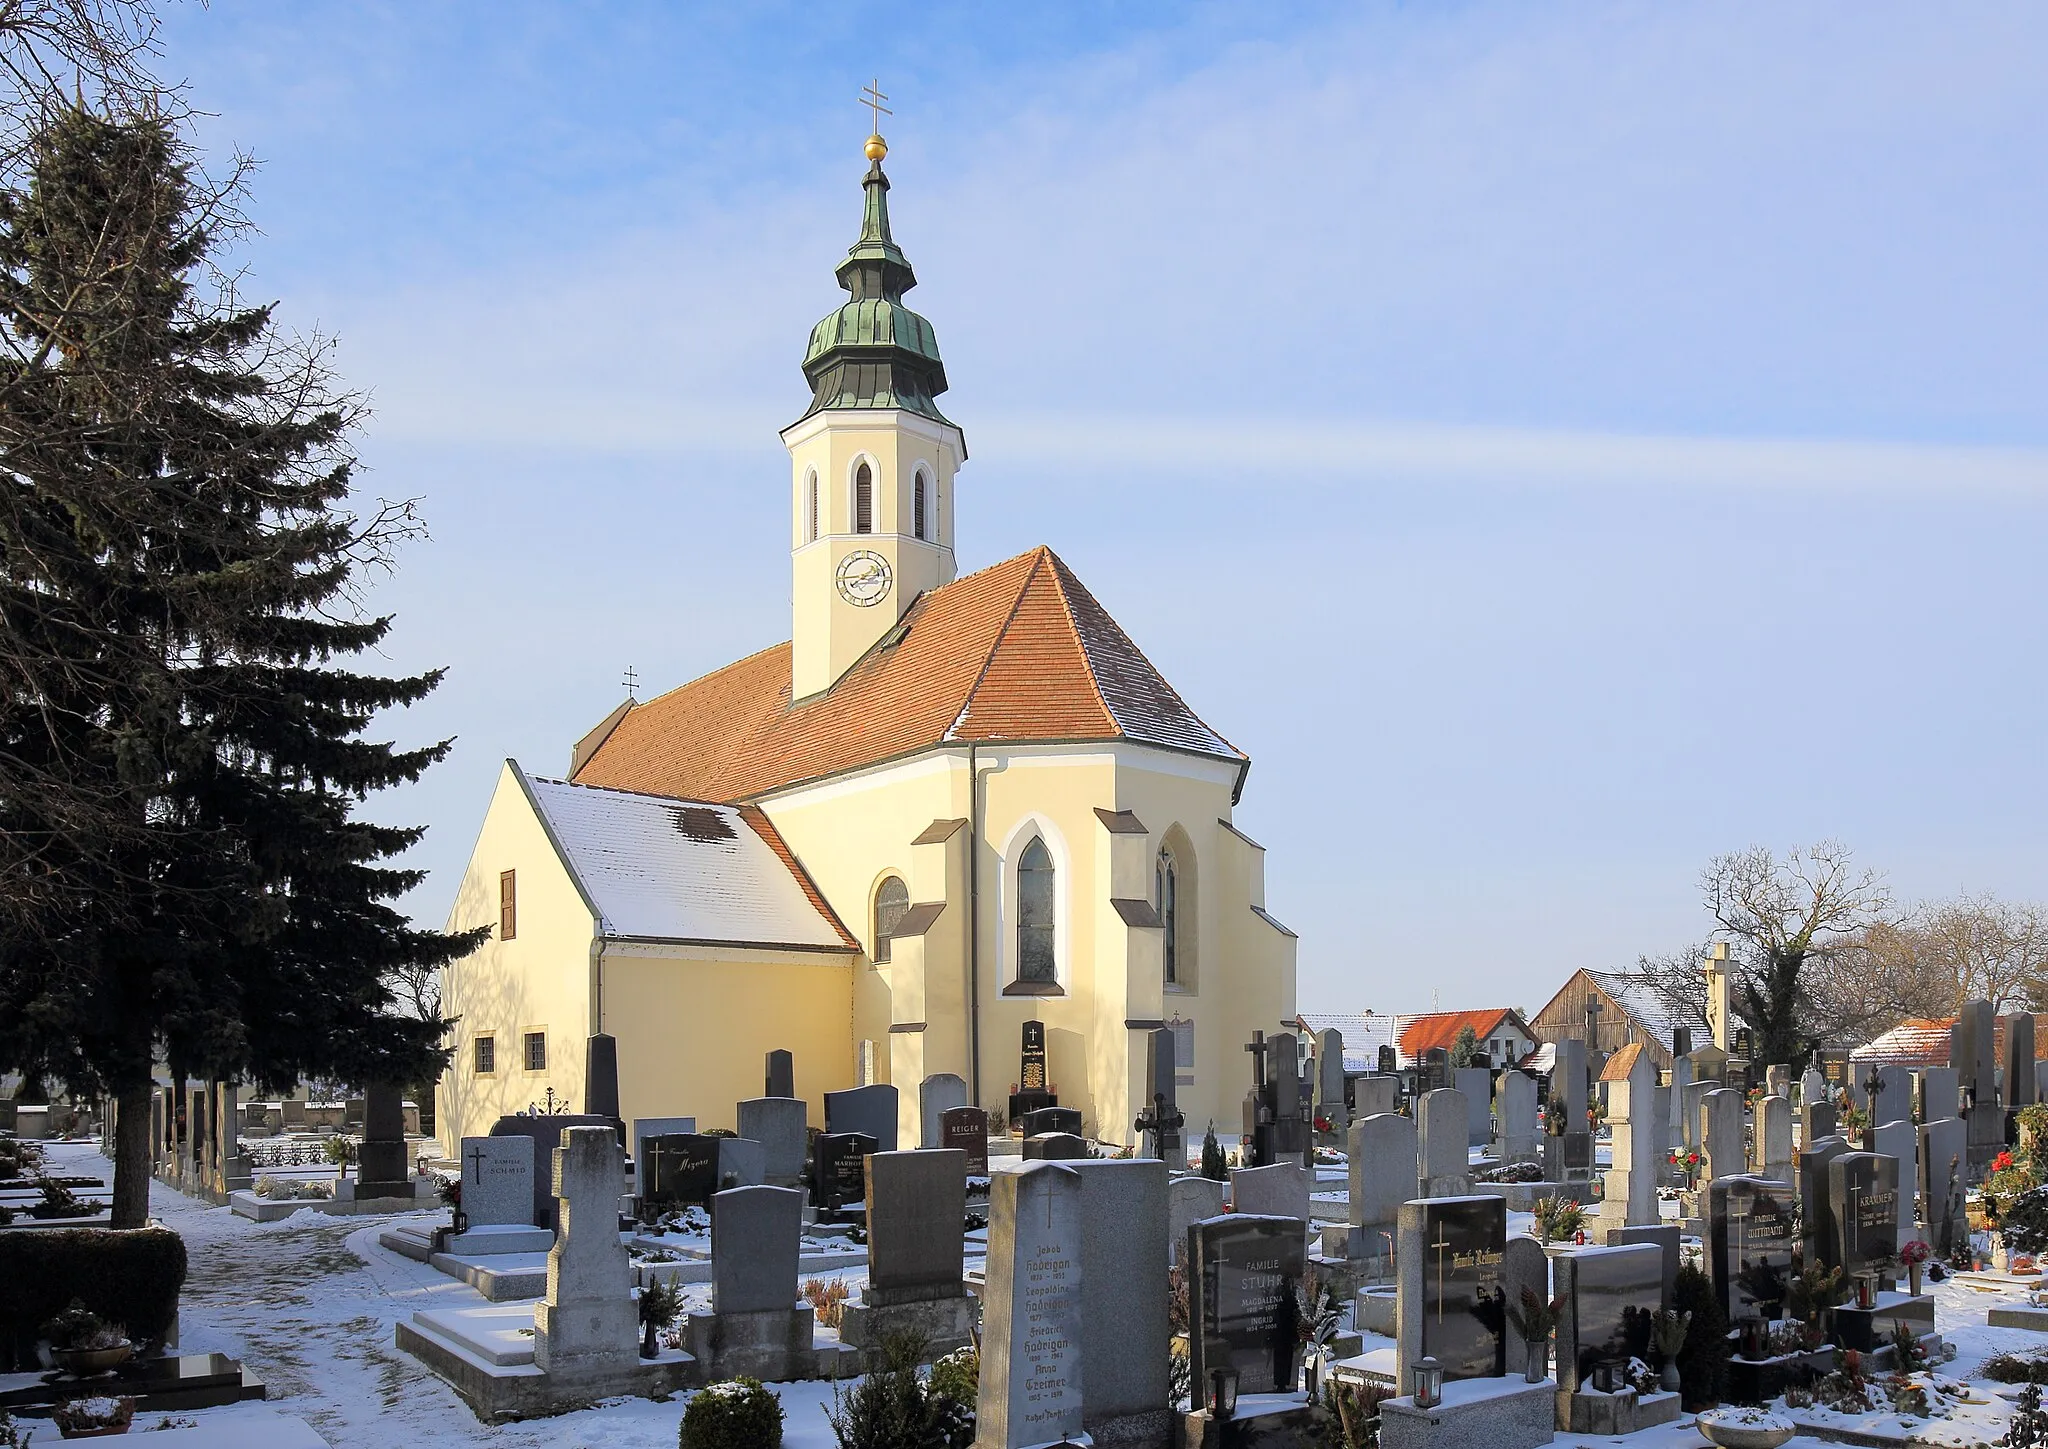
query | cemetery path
[310, 1304]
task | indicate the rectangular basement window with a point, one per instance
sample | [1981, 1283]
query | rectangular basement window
[486, 1061]
[536, 1051]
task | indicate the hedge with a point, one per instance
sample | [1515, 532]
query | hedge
[129, 1277]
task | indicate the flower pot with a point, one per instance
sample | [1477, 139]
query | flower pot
[1913, 1279]
[1537, 1367]
[1731, 1435]
[81, 1361]
[1669, 1382]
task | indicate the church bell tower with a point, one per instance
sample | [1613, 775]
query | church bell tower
[872, 460]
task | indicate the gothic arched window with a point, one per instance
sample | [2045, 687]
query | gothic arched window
[1036, 887]
[1165, 879]
[811, 508]
[917, 506]
[891, 901]
[863, 499]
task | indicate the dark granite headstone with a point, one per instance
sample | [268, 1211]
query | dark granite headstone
[965, 1129]
[870, 1110]
[1577, 1152]
[839, 1169]
[1052, 1119]
[1160, 1119]
[1437, 1063]
[546, 1133]
[1459, 1244]
[1389, 1061]
[381, 1166]
[781, 1074]
[1752, 1252]
[682, 1169]
[1055, 1147]
[1609, 1295]
[1031, 1064]
[1822, 1243]
[1241, 1299]
[601, 1080]
[1863, 1193]
[916, 1203]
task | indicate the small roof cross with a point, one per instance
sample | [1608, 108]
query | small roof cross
[871, 96]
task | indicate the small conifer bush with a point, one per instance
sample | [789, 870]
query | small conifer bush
[737, 1414]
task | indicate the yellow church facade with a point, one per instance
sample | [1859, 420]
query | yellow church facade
[947, 806]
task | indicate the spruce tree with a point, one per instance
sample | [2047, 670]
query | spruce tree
[181, 746]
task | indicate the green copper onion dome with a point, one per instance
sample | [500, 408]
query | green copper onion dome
[874, 352]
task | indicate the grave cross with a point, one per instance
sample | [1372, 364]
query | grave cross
[1442, 1245]
[1593, 1010]
[1257, 1047]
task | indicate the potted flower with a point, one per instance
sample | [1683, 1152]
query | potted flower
[93, 1418]
[1534, 1319]
[1913, 1255]
[660, 1302]
[81, 1342]
[1667, 1331]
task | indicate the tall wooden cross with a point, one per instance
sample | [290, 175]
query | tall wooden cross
[871, 96]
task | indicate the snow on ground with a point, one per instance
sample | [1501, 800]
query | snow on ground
[310, 1303]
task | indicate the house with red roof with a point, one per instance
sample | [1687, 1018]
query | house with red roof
[1499, 1032]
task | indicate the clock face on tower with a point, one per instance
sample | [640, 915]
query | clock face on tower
[863, 578]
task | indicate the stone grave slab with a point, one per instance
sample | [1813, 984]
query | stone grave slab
[1189, 1199]
[1452, 1303]
[1031, 1375]
[782, 1125]
[1609, 1295]
[965, 1130]
[1241, 1299]
[937, 1095]
[870, 1110]
[755, 1234]
[838, 1173]
[1751, 1252]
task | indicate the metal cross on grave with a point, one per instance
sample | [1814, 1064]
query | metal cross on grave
[475, 1158]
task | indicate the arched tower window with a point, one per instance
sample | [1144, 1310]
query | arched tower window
[892, 899]
[863, 499]
[811, 507]
[917, 491]
[1036, 889]
[1166, 881]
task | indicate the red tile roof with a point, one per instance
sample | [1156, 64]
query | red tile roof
[1441, 1028]
[1020, 651]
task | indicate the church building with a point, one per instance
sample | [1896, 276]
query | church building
[947, 806]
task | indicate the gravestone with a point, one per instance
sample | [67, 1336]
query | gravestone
[1370, 1095]
[1436, 1070]
[1388, 1061]
[1813, 1087]
[1778, 1080]
[1477, 1085]
[1944, 1175]
[382, 1167]
[601, 1080]
[1042, 1120]
[741, 1163]
[1452, 1304]
[1568, 1079]
[1609, 1296]
[2019, 1061]
[1241, 1308]
[587, 1322]
[1189, 1200]
[1666, 1238]
[868, 1110]
[1034, 1090]
[937, 1095]
[1940, 1093]
[1774, 1138]
[1382, 1153]
[1751, 1250]
[1125, 1324]
[1441, 1138]
[782, 1125]
[838, 1173]
[1631, 1182]
[1279, 1191]
[755, 1236]
[681, 1170]
[1523, 1265]
[781, 1076]
[1690, 1100]
[1894, 1097]
[1031, 1384]
[1863, 1195]
[1283, 1081]
[497, 1181]
[917, 1202]
[1817, 1120]
[1515, 1103]
[1160, 1121]
[1901, 1141]
[293, 1113]
[646, 1127]
[1721, 1133]
[1331, 1103]
[1976, 1059]
[545, 1132]
[1818, 1236]
[1055, 1147]
[965, 1130]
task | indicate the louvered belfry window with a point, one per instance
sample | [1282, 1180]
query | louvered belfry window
[863, 500]
[917, 507]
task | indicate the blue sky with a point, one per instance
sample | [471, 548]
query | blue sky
[1558, 443]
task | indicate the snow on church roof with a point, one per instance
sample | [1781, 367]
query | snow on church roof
[655, 868]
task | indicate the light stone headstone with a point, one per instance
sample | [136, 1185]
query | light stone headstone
[1477, 1085]
[1895, 1101]
[1631, 1183]
[1125, 1323]
[1279, 1191]
[646, 1127]
[1370, 1095]
[1778, 1080]
[1382, 1165]
[588, 1319]
[1189, 1199]
[1031, 1383]
[1902, 1141]
[1721, 1133]
[1330, 1079]
[937, 1095]
[782, 1125]
[497, 1181]
[755, 1236]
[1813, 1087]
[1515, 1104]
[870, 1110]
[1774, 1138]
[1681, 1080]
[1691, 1096]
[1442, 1137]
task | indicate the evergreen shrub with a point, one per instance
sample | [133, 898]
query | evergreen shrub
[129, 1277]
[737, 1414]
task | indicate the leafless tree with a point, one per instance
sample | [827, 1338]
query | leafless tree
[417, 990]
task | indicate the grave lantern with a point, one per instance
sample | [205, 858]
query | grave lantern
[1866, 1290]
[1222, 1392]
[1429, 1382]
[1603, 1376]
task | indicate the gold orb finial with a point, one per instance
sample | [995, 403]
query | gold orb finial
[871, 96]
[877, 148]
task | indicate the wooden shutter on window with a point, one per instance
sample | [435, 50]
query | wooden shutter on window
[508, 905]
